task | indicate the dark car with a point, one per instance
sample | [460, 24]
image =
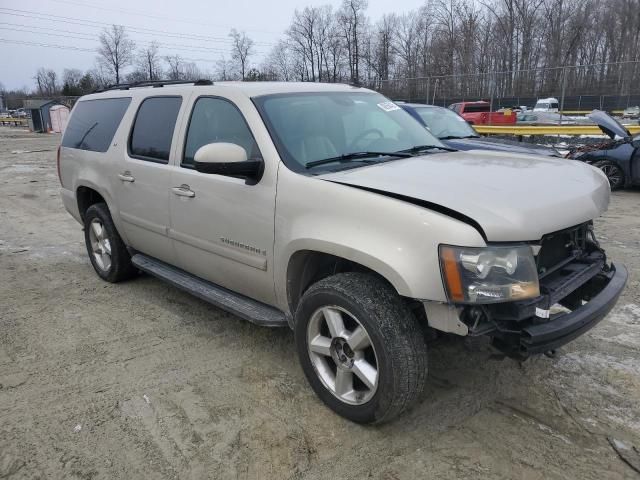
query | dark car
[618, 158]
[455, 132]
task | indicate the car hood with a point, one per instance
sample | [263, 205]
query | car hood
[499, 145]
[609, 125]
[509, 197]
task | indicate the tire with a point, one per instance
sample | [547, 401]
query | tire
[397, 348]
[102, 240]
[613, 172]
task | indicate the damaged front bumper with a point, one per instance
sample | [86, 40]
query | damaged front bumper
[585, 296]
[564, 327]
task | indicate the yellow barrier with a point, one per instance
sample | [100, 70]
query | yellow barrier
[546, 129]
[13, 121]
[587, 112]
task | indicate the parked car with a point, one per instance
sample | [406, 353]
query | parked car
[19, 113]
[618, 158]
[631, 112]
[329, 209]
[453, 131]
[479, 113]
[549, 105]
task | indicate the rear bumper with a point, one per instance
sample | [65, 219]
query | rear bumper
[563, 328]
[70, 203]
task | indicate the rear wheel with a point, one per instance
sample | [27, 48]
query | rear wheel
[360, 347]
[613, 172]
[107, 252]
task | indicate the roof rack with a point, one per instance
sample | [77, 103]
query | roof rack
[153, 83]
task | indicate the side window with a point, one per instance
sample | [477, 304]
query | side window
[93, 123]
[153, 129]
[216, 120]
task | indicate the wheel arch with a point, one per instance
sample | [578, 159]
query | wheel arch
[87, 196]
[307, 266]
[615, 161]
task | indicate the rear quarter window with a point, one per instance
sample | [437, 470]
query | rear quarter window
[93, 123]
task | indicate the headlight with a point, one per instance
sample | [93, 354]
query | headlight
[489, 274]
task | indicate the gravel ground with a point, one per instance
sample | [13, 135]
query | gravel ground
[140, 380]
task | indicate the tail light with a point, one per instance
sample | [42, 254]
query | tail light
[58, 164]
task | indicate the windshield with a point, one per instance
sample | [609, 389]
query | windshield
[308, 127]
[444, 123]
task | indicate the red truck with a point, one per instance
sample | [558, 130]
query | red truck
[479, 113]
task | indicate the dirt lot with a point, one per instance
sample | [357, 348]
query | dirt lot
[140, 380]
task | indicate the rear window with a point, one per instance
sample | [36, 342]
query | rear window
[474, 108]
[93, 124]
[153, 128]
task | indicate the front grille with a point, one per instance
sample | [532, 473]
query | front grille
[559, 248]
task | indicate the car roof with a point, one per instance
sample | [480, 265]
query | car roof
[420, 105]
[250, 89]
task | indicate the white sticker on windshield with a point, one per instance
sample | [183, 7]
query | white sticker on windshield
[388, 106]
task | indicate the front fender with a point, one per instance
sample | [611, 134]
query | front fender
[396, 239]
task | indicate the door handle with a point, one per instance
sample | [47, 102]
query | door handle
[126, 176]
[184, 191]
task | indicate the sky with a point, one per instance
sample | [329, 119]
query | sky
[60, 34]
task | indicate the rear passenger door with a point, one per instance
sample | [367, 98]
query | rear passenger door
[223, 226]
[144, 175]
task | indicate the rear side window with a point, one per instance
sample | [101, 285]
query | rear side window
[153, 129]
[94, 123]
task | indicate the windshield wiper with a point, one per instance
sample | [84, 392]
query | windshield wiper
[456, 137]
[420, 148]
[345, 157]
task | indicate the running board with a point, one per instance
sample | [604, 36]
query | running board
[244, 307]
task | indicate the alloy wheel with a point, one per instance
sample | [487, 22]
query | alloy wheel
[342, 355]
[613, 173]
[100, 244]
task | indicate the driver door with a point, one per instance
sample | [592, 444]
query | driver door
[222, 227]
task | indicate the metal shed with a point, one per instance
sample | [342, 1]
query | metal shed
[59, 117]
[41, 111]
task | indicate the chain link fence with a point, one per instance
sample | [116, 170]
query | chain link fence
[605, 86]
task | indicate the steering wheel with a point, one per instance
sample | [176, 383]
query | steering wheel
[365, 134]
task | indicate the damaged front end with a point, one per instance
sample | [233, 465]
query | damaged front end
[618, 135]
[577, 289]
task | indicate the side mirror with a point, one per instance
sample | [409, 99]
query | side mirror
[227, 159]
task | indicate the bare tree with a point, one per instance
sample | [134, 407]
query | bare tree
[148, 62]
[353, 21]
[100, 75]
[241, 49]
[47, 82]
[176, 67]
[71, 78]
[192, 72]
[116, 50]
[468, 49]
[224, 69]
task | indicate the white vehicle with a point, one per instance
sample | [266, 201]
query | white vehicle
[631, 112]
[547, 105]
[329, 209]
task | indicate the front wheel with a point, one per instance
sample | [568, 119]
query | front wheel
[360, 347]
[614, 173]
